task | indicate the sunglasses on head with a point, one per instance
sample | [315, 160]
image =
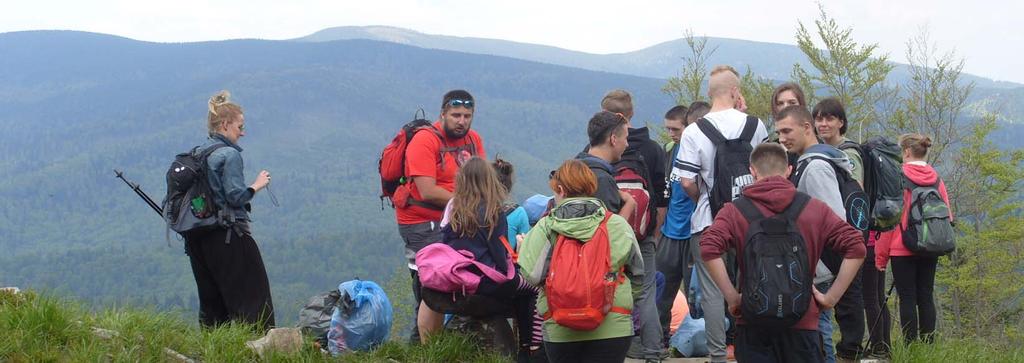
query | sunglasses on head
[455, 102]
[553, 174]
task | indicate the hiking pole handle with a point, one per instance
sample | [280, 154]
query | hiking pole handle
[138, 190]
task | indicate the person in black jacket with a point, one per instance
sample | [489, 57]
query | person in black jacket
[652, 156]
[607, 133]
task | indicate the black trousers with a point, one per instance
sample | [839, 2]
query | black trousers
[778, 345]
[231, 279]
[612, 350]
[915, 283]
[879, 320]
[849, 311]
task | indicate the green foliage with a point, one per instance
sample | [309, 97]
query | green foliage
[846, 70]
[981, 279]
[757, 91]
[933, 99]
[686, 87]
[45, 329]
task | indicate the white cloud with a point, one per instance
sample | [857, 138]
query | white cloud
[983, 31]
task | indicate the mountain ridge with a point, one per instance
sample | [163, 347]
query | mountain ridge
[671, 49]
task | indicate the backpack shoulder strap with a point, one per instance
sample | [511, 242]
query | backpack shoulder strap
[841, 174]
[748, 209]
[749, 128]
[710, 131]
[508, 248]
[205, 154]
[847, 144]
[796, 207]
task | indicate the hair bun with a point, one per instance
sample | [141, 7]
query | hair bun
[218, 99]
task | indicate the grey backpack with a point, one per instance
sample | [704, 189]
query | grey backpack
[930, 229]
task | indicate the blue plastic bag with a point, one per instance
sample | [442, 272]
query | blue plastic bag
[691, 340]
[361, 319]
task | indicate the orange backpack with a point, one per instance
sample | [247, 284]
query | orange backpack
[580, 285]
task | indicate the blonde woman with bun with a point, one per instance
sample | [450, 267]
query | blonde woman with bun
[226, 261]
[913, 275]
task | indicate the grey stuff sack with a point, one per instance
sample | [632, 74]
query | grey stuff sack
[315, 317]
[930, 229]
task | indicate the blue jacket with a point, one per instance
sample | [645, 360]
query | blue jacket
[225, 174]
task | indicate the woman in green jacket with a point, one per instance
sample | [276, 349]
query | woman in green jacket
[577, 214]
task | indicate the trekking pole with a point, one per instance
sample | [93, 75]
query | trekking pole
[138, 190]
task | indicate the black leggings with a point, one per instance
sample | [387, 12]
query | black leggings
[879, 321]
[523, 298]
[915, 284]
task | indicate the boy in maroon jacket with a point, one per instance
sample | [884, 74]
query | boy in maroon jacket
[772, 193]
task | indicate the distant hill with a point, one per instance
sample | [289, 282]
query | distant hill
[663, 60]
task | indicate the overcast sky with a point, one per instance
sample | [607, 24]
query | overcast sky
[987, 33]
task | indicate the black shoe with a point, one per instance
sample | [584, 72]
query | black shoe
[528, 355]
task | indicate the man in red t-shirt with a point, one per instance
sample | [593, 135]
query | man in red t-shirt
[431, 162]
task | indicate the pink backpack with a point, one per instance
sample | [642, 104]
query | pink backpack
[444, 269]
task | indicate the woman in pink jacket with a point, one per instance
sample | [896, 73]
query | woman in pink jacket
[913, 275]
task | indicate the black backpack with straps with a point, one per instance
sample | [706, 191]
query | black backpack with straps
[732, 162]
[855, 201]
[777, 274]
[188, 205]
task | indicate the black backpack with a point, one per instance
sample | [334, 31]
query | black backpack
[777, 279]
[188, 205]
[883, 182]
[855, 201]
[732, 162]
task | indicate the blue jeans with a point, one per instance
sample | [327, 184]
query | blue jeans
[825, 329]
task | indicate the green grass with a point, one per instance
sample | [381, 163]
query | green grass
[44, 329]
[949, 350]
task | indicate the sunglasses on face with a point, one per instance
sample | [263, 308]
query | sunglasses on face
[460, 103]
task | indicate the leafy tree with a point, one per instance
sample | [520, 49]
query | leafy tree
[980, 282]
[931, 101]
[852, 72]
[757, 91]
[686, 88]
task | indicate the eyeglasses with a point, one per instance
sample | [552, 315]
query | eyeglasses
[455, 102]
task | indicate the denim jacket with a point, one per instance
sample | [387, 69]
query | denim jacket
[224, 172]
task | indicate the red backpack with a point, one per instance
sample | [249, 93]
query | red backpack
[580, 285]
[392, 159]
[631, 177]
